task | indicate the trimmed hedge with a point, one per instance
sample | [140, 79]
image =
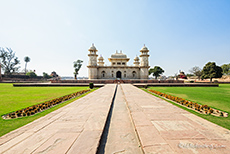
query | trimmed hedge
[91, 85]
[42, 106]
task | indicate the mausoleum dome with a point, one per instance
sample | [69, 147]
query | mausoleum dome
[118, 55]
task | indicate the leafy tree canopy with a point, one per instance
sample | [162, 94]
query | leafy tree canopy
[54, 74]
[77, 65]
[27, 59]
[211, 70]
[196, 71]
[9, 61]
[226, 69]
[31, 74]
[46, 76]
[156, 71]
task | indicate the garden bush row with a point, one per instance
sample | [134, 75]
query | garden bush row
[43, 106]
[204, 109]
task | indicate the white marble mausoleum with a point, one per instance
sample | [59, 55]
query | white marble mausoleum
[118, 68]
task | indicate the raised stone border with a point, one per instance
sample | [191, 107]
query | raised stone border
[203, 109]
[107, 81]
[42, 106]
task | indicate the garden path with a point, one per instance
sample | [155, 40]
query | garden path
[121, 136]
[165, 128]
[74, 128]
[154, 124]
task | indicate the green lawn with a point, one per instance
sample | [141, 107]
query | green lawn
[216, 97]
[15, 98]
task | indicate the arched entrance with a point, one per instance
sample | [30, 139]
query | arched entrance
[118, 74]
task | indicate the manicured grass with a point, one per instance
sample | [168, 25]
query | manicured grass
[15, 98]
[215, 97]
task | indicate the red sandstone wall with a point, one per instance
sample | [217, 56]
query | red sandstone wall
[115, 81]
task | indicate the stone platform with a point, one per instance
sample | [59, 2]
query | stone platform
[118, 120]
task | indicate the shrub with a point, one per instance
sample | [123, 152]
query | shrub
[91, 85]
[31, 74]
[211, 110]
[221, 114]
[19, 114]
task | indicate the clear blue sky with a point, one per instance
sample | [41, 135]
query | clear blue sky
[180, 34]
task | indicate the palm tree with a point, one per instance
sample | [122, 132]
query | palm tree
[26, 59]
[77, 65]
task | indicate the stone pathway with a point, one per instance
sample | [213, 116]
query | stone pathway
[121, 135]
[75, 128]
[165, 128]
[133, 122]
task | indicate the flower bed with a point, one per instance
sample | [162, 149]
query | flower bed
[42, 106]
[204, 109]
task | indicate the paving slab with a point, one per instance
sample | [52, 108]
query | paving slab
[165, 128]
[74, 128]
[121, 134]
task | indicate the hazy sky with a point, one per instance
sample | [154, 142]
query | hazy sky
[180, 34]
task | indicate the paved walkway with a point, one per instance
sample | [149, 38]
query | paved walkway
[121, 135]
[75, 128]
[165, 128]
[137, 119]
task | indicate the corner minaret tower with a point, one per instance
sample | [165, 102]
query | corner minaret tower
[144, 63]
[92, 62]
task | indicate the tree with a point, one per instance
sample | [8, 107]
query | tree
[54, 74]
[226, 69]
[156, 71]
[196, 71]
[26, 59]
[189, 75]
[31, 74]
[0, 71]
[46, 76]
[211, 70]
[77, 65]
[9, 61]
[182, 75]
